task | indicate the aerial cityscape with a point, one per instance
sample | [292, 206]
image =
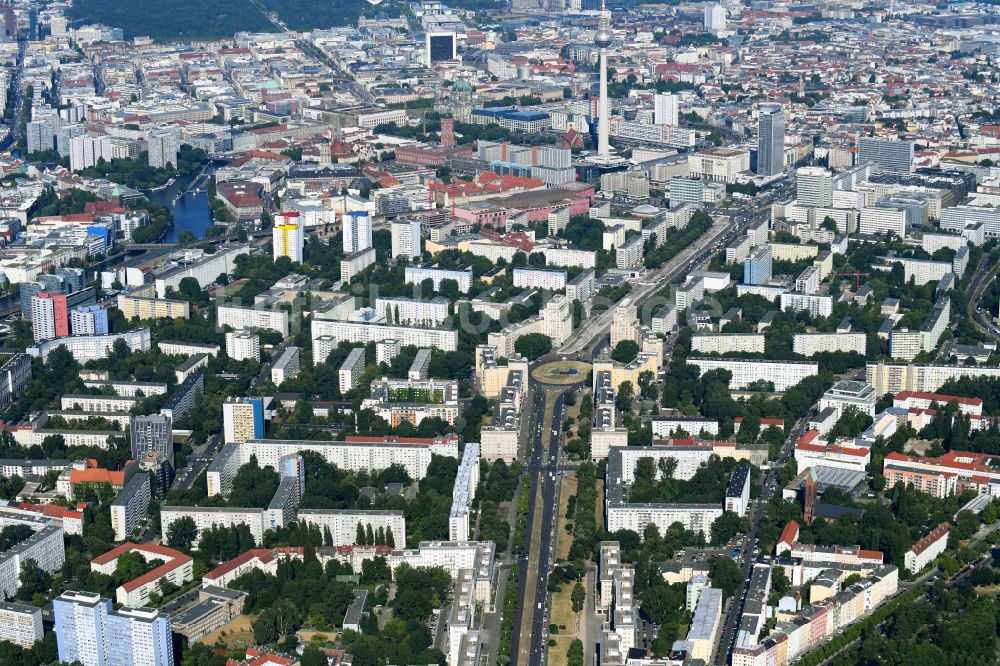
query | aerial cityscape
[499, 333]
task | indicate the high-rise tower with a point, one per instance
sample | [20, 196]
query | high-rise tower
[602, 40]
[771, 140]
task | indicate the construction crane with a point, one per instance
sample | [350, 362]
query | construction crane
[857, 278]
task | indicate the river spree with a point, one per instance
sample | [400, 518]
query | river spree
[190, 212]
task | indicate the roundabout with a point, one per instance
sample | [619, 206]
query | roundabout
[561, 373]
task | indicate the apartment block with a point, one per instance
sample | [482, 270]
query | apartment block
[243, 345]
[809, 344]
[136, 307]
[129, 508]
[725, 343]
[90, 632]
[783, 374]
[20, 624]
[240, 318]
[351, 369]
[343, 524]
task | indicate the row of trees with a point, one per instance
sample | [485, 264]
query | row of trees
[366, 536]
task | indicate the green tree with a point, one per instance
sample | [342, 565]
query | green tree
[578, 597]
[182, 533]
[725, 575]
[311, 656]
[725, 528]
[574, 655]
[200, 654]
[265, 627]
[625, 396]
[533, 345]
[33, 581]
[662, 603]
[625, 351]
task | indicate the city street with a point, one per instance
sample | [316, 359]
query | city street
[529, 645]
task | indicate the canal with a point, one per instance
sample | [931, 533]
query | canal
[191, 212]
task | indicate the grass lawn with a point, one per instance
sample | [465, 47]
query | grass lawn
[562, 614]
[564, 539]
[600, 500]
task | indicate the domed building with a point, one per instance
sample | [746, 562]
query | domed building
[458, 100]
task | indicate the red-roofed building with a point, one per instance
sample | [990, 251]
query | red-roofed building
[789, 535]
[102, 208]
[486, 186]
[811, 451]
[517, 239]
[177, 568]
[908, 399]
[73, 217]
[837, 554]
[256, 657]
[243, 198]
[954, 472]
[925, 550]
[430, 154]
[262, 559]
[71, 517]
[86, 473]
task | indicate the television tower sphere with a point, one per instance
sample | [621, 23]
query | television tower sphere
[603, 38]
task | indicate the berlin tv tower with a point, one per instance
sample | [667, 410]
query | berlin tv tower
[602, 40]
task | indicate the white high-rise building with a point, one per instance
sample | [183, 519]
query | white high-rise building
[624, 322]
[88, 631]
[20, 624]
[289, 236]
[41, 135]
[879, 221]
[58, 25]
[85, 151]
[814, 187]
[715, 17]
[406, 241]
[163, 145]
[243, 345]
[357, 232]
[666, 110]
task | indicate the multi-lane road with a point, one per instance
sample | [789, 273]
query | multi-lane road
[539, 552]
[592, 331]
[529, 640]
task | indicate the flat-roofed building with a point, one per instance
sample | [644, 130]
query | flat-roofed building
[20, 624]
[214, 608]
[286, 366]
[849, 393]
[241, 318]
[809, 344]
[350, 370]
[783, 374]
[726, 343]
[343, 524]
[129, 508]
[138, 307]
